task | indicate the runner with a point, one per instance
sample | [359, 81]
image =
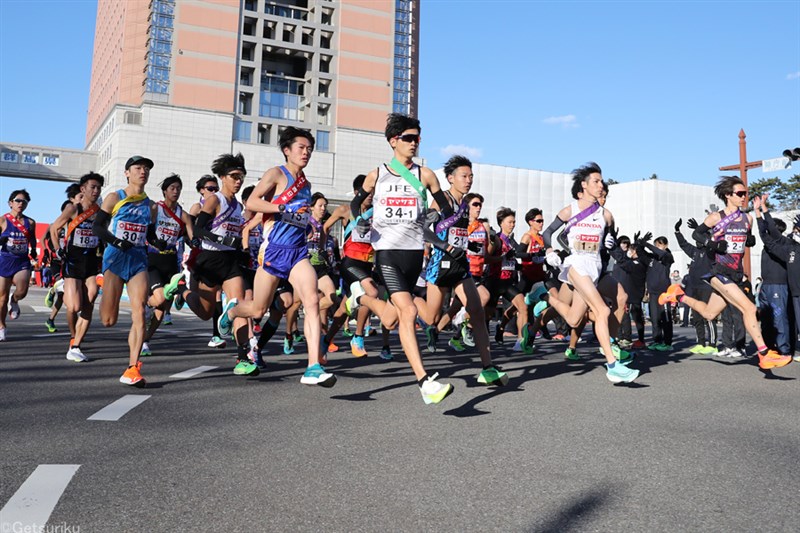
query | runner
[170, 223]
[727, 233]
[587, 225]
[252, 237]
[17, 244]
[400, 199]
[286, 253]
[319, 254]
[81, 255]
[125, 260]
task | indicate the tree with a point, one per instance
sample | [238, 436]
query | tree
[765, 186]
[611, 181]
[654, 176]
[784, 196]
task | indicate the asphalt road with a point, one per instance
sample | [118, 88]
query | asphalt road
[696, 444]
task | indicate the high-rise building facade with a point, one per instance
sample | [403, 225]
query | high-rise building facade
[182, 81]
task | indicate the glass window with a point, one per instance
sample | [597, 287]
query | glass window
[323, 139]
[241, 130]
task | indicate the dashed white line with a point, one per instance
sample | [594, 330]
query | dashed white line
[30, 507]
[119, 408]
[186, 374]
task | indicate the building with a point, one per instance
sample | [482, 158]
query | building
[181, 81]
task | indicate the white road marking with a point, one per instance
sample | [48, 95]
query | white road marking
[186, 374]
[30, 507]
[65, 334]
[40, 309]
[119, 408]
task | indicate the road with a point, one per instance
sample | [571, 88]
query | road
[695, 444]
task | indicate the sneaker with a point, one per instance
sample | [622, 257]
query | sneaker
[638, 345]
[50, 297]
[697, 349]
[527, 340]
[621, 374]
[2, 334]
[369, 331]
[51, 326]
[167, 319]
[225, 324]
[245, 367]
[217, 342]
[133, 376]
[625, 344]
[539, 308]
[288, 346]
[171, 288]
[179, 300]
[332, 348]
[456, 344]
[297, 337]
[492, 376]
[357, 346]
[434, 392]
[466, 335]
[709, 350]
[347, 333]
[559, 337]
[620, 355]
[386, 354]
[432, 336]
[316, 375]
[773, 359]
[356, 292]
[13, 309]
[723, 352]
[664, 347]
[674, 292]
[733, 353]
[656, 346]
[498, 334]
[796, 358]
[255, 356]
[145, 350]
[572, 354]
[75, 354]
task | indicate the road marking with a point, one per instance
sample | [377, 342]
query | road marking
[117, 410]
[30, 507]
[65, 334]
[40, 309]
[186, 374]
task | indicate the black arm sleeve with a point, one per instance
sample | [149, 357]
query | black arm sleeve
[358, 199]
[443, 203]
[548, 233]
[522, 252]
[100, 227]
[431, 218]
[200, 229]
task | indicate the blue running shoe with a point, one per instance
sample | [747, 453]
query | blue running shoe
[225, 324]
[288, 346]
[316, 375]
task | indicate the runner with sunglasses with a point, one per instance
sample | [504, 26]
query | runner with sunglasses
[17, 248]
[727, 233]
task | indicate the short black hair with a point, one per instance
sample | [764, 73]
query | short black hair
[397, 123]
[290, 133]
[358, 182]
[316, 196]
[581, 174]
[725, 185]
[780, 224]
[624, 239]
[169, 180]
[201, 183]
[22, 192]
[503, 213]
[72, 191]
[454, 162]
[531, 214]
[227, 163]
[661, 240]
[247, 191]
[92, 176]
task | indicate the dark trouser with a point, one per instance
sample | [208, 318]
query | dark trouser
[686, 311]
[635, 315]
[796, 331]
[661, 320]
[705, 330]
[732, 328]
[774, 313]
[625, 326]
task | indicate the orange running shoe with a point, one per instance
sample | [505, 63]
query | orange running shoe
[773, 360]
[674, 292]
[357, 346]
[133, 376]
[333, 348]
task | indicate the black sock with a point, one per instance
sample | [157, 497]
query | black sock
[217, 314]
[241, 351]
[422, 381]
[267, 331]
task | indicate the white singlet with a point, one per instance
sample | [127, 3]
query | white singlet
[399, 213]
[585, 242]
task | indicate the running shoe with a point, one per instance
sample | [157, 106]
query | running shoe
[466, 335]
[544, 332]
[347, 333]
[638, 345]
[518, 346]
[225, 324]
[434, 392]
[431, 336]
[2, 334]
[133, 376]
[572, 354]
[50, 297]
[369, 331]
[356, 292]
[171, 288]
[145, 350]
[674, 292]
[620, 373]
[245, 367]
[255, 356]
[655, 346]
[527, 341]
[357, 346]
[75, 354]
[217, 342]
[539, 308]
[709, 350]
[297, 337]
[257, 329]
[13, 309]
[456, 345]
[625, 344]
[316, 375]
[492, 376]
[332, 348]
[620, 355]
[167, 319]
[723, 352]
[796, 358]
[773, 359]
[559, 337]
[323, 352]
[179, 300]
[288, 346]
[733, 353]
[697, 349]
[498, 334]
[51, 326]
[386, 354]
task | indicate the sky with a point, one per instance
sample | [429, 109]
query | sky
[641, 88]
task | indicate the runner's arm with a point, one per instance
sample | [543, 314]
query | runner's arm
[555, 225]
[60, 222]
[340, 213]
[102, 220]
[265, 188]
[367, 187]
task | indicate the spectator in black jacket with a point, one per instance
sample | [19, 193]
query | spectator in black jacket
[773, 294]
[631, 273]
[659, 260]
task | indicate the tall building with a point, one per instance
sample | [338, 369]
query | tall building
[182, 81]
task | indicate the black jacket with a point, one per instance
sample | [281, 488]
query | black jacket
[701, 260]
[773, 269]
[633, 273]
[786, 250]
[658, 265]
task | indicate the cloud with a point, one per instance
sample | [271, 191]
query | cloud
[793, 75]
[565, 121]
[461, 149]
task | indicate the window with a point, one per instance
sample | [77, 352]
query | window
[249, 26]
[325, 40]
[132, 117]
[248, 51]
[30, 158]
[250, 5]
[323, 138]
[245, 103]
[323, 118]
[264, 131]
[51, 160]
[246, 77]
[325, 64]
[280, 98]
[288, 33]
[323, 89]
[241, 130]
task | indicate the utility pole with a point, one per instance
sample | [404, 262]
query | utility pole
[742, 167]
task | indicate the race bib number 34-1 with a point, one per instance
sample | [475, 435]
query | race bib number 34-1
[399, 210]
[131, 232]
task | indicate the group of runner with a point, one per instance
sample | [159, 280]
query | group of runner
[273, 252]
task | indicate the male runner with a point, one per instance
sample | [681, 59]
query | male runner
[17, 244]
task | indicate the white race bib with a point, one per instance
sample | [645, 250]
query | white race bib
[84, 238]
[458, 238]
[398, 210]
[17, 245]
[586, 244]
[736, 243]
[132, 232]
[297, 219]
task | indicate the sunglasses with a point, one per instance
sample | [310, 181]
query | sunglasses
[476, 204]
[409, 138]
[211, 189]
[740, 194]
[539, 220]
[20, 200]
[238, 177]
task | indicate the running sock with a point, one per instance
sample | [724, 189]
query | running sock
[267, 332]
[241, 351]
[611, 365]
[217, 314]
[421, 382]
[763, 350]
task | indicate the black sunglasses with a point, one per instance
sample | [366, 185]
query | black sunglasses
[212, 189]
[409, 137]
[476, 204]
[539, 220]
[740, 194]
[20, 200]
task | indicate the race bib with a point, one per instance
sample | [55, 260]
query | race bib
[508, 264]
[478, 237]
[168, 233]
[297, 219]
[84, 238]
[399, 210]
[232, 229]
[17, 245]
[736, 243]
[458, 238]
[361, 233]
[132, 232]
[588, 244]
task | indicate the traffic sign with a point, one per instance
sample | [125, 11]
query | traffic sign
[775, 165]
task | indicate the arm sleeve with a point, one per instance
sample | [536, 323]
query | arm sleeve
[358, 199]
[200, 230]
[657, 252]
[443, 203]
[431, 218]
[100, 227]
[548, 233]
[522, 252]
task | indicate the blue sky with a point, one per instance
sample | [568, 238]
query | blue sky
[639, 87]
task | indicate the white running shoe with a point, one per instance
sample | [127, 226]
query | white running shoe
[2, 334]
[75, 354]
[434, 392]
[145, 350]
[13, 309]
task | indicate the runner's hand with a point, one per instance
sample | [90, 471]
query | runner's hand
[610, 242]
[474, 247]
[720, 247]
[3, 240]
[455, 252]
[511, 254]
[122, 244]
[62, 254]
[553, 259]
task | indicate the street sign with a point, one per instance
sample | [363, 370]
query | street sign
[775, 165]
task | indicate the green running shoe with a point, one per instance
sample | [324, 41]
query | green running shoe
[245, 367]
[145, 350]
[51, 326]
[621, 374]
[431, 336]
[298, 337]
[492, 376]
[697, 348]
[456, 345]
[710, 350]
[172, 287]
[664, 348]
[288, 346]
[50, 297]
[572, 354]
[527, 339]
